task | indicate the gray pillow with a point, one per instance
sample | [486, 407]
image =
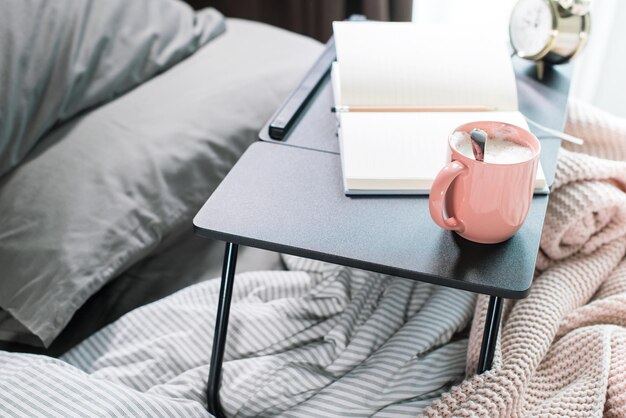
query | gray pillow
[61, 57]
[101, 192]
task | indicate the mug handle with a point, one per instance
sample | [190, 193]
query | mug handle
[438, 196]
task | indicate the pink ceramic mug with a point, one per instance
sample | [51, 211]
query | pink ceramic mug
[485, 202]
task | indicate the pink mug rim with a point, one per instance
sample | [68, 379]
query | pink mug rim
[536, 152]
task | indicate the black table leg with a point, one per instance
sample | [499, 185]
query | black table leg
[490, 335]
[221, 326]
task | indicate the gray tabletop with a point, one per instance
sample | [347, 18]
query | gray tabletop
[288, 197]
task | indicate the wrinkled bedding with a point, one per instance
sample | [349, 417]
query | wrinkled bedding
[315, 340]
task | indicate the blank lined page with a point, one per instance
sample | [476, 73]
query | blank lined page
[403, 151]
[405, 64]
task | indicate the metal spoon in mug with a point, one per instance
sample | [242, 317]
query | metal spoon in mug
[478, 140]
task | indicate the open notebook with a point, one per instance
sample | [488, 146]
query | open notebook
[386, 71]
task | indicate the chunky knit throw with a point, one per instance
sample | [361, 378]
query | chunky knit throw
[562, 350]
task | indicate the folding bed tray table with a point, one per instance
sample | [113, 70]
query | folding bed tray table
[287, 196]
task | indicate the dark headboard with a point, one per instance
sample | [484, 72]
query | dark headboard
[309, 17]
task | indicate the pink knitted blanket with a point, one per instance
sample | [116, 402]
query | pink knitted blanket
[562, 350]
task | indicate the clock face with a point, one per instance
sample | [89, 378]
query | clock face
[531, 27]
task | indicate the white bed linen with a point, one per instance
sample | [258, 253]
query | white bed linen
[316, 340]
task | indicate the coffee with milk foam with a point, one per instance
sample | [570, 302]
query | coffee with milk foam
[498, 149]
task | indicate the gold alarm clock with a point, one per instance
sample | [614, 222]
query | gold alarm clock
[549, 31]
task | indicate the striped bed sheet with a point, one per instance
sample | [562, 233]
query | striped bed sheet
[315, 340]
